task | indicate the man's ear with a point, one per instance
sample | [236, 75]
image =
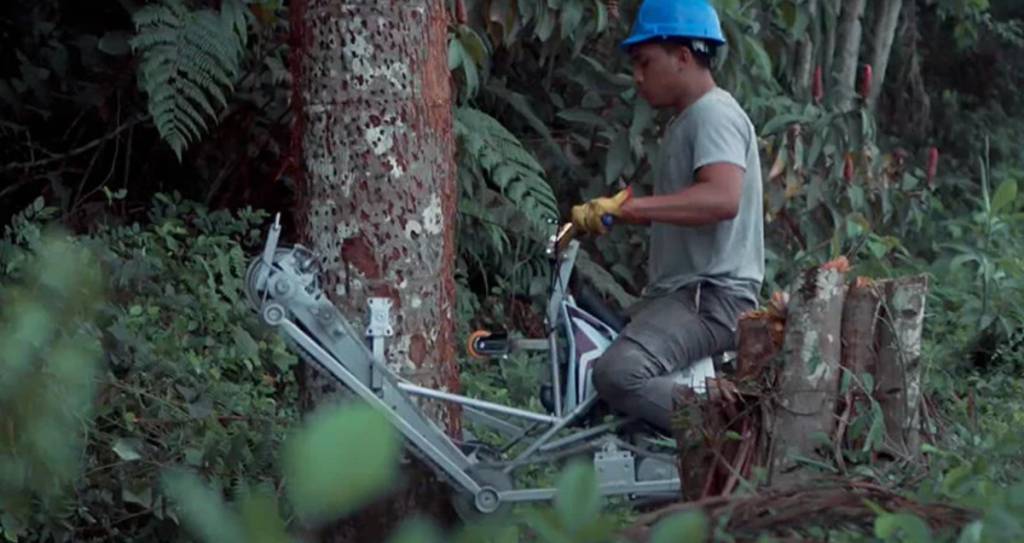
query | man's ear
[683, 55]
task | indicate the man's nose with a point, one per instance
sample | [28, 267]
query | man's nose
[638, 76]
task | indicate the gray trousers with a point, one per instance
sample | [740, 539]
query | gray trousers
[665, 334]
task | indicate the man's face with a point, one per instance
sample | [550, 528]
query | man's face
[657, 72]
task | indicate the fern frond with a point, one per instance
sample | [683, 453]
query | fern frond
[506, 204]
[488, 145]
[189, 60]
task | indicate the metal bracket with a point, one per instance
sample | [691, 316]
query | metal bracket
[379, 328]
[614, 466]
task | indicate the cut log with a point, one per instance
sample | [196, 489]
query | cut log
[760, 335]
[860, 351]
[808, 382]
[898, 373]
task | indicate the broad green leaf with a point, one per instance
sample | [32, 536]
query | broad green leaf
[584, 117]
[203, 512]
[114, 43]
[577, 502]
[1005, 195]
[617, 158]
[342, 458]
[456, 54]
[247, 346]
[416, 530]
[127, 449]
[902, 527]
[602, 15]
[681, 528]
[261, 519]
[571, 15]
[473, 45]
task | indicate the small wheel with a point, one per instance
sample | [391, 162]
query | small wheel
[273, 314]
[486, 502]
[472, 341]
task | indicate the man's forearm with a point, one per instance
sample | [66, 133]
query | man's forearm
[697, 205]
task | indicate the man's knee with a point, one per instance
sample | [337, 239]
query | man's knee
[620, 370]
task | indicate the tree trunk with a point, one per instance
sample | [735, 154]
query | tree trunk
[844, 72]
[898, 375]
[909, 105]
[374, 129]
[808, 383]
[805, 54]
[885, 32]
[860, 351]
[830, 15]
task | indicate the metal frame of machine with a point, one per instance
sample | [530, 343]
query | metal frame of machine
[283, 285]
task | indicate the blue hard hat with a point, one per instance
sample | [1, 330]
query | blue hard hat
[662, 19]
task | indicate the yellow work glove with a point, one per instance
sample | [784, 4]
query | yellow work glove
[588, 217]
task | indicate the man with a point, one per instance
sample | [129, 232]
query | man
[706, 259]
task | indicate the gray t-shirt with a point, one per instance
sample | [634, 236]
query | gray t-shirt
[730, 253]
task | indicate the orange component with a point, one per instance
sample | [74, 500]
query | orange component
[471, 343]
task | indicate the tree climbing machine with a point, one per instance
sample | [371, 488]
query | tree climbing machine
[630, 460]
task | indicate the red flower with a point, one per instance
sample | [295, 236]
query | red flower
[818, 86]
[933, 165]
[848, 168]
[865, 82]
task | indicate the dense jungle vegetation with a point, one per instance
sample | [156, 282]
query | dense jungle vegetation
[145, 145]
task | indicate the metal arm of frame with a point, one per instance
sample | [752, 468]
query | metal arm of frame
[286, 290]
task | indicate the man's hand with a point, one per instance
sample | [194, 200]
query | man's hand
[588, 217]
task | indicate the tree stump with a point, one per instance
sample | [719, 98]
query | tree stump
[860, 352]
[803, 410]
[898, 373]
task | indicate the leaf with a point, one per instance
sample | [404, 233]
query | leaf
[114, 43]
[203, 512]
[682, 528]
[1005, 195]
[578, 501]
[472, 44]
[761, 58]
[584, 117]
[902, 527]
[572, 14]
[416, 530]
[247, 346]
[126, 449]
[261, 520]
[602, 15]
[617, 158]
[342, 458]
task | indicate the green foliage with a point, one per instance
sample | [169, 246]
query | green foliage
[49, 361]
[328, 476]
[189, 59]
[505, 203]
[191, 379]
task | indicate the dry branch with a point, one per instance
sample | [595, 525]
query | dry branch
[828, 503]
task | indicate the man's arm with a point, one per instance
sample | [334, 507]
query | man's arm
[714, 197]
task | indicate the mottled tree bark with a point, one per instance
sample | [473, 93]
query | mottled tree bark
[373, 107]
[884, 34]
[830, 15]
[805, 54]
[808, 382]
[898, 374]
[860, 349]
[844, 70]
